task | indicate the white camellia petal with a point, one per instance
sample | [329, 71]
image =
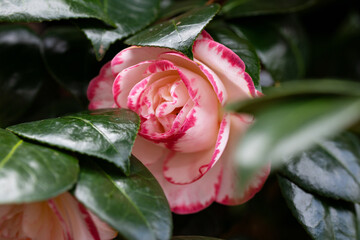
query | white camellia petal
[189, 198]
[99, 91]
[134, 55]
[148, 152]
[216, 83]
[230, 193]
[228, 66]
[184, 168]
[199, 68]
[205, 110]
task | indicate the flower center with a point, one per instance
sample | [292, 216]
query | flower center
[161, 105]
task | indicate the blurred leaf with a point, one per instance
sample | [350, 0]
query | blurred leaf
[107, 133]
[135, 205]
[298, 89]
[242, 47]
[240, 8]
[178, 33]
[21, 71]
[331, 169]
[193, 238]
[69, 57]
[291, 126]
[129, 17]
[46, 10]
[321, 218]
[285, 41]
[30, 172]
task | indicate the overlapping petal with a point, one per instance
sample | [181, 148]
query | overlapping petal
[185, 138]
[99, 91]
[185, 168]
[231, 192]
[60, 218]
[228, 67]
[189, 198]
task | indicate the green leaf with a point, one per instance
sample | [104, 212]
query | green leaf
[331, 169]
[21, 71]
[107, 133]
[285, 41]
[240, 8]
[135, 205]
[171, 8]
[298, 89]
[178, 33]
[321, 218]
[69, 57]
[129, 17]
[193, 238]
[30, 172]
[241, 46]
[47, 10]
[291, 126]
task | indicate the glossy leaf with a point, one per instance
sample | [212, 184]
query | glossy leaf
[21, 71]
[331, 169]
[45, 10]
[107, 133]
[239, 8]
[135, 205]
[172, 8]
[69, 57]
[178, 33]
[129, 17]
[291, 126]
[30, 172]
[242, 47]
[285, 41]
[321, 218]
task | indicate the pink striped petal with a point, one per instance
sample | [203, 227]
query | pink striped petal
[200, 69]
[184, 168]
[228, 66]
[216, 83]
[11, 218]
[204, 35]
[148, 152]
[99, 91]
[128, 79]
[229, 193]
[189, 198]
[205, 110]
[134, 55]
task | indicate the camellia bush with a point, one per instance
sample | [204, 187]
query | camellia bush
[179, 119]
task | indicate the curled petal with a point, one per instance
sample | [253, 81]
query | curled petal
[204, 110]
[230, 193]
[185, 168]
[99, 91]
[189, 198]
[200, 69]
[134, 55]
[228, 66]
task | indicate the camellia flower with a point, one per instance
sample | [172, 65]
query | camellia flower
[60, 218]
[185, 139]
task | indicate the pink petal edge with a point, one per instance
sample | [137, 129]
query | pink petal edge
[185, 168]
